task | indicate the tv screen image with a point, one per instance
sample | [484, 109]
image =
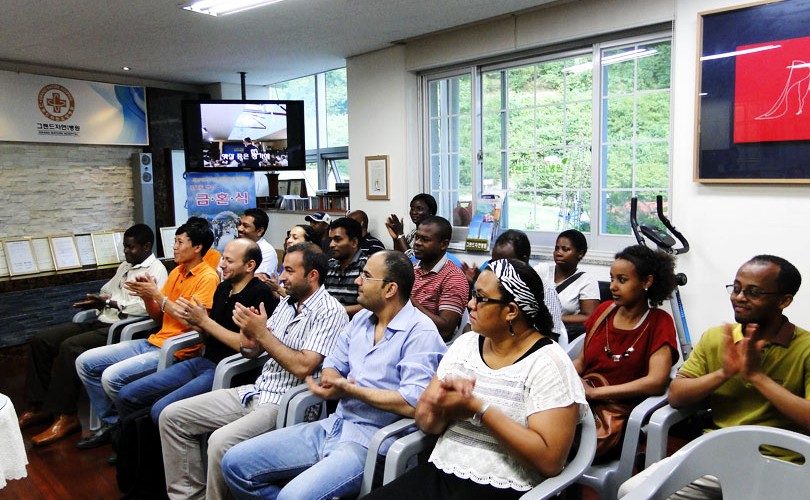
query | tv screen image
[216, 135]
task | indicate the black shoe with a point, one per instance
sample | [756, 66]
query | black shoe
[98, 438]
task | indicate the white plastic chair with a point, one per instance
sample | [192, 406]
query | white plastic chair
[608, 476]
[733, 456]
[404, 449]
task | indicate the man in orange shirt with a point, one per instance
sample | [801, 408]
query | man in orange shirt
[105, 370]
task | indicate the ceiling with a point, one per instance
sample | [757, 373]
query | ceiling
[159, 41]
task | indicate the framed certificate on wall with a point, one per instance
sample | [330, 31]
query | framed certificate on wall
[84, 244]
[20, 256]
[65, 253]
[104, 248]
[167, 239]
[3, 263]
[42, 252]
[118, 235]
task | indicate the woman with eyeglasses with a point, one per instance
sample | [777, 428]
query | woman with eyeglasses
[505, 399]
[629, 341]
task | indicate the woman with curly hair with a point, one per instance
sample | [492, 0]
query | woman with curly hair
[629, 341]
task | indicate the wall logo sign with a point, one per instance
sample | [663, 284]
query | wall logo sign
[56, 102]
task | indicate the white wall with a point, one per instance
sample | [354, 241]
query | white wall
[725, 224]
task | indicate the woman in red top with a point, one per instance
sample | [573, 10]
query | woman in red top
[634, 345]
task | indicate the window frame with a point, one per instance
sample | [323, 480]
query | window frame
[599, 242]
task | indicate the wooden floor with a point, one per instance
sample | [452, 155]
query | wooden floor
[59, 471]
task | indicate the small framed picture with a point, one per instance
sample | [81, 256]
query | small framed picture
[118, 235]
[42, 252]
[377, 174]
[20, 256]
[65, 253]
[84, 244]
[104, 247]
[167, 239]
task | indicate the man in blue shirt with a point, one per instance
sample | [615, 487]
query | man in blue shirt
[381, 364]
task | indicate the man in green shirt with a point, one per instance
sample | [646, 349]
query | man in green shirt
[755, 372]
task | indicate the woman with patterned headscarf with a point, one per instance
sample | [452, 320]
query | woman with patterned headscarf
[506, 399]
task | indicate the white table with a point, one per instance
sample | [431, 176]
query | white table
[12, 449]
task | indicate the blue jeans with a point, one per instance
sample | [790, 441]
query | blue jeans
[105, 370]
[319, 464]
[179, 381]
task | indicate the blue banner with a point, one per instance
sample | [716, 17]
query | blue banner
[222, 198]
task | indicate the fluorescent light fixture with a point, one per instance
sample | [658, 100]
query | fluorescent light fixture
[225, 7]
[739, 52]
[613, 59]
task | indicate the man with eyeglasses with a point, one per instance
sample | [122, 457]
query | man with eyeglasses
[380, 366]
[753, 372]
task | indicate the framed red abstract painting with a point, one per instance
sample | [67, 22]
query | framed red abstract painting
[753, 102]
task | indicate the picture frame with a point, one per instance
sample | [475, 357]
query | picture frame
[104, 248]
[167, 241]
[118, 235]
[84, 244]
[4, 273]
[748, 117]
[42, 252]
[298, 188]
[283, 188]
[378, 178]
[20, 256]
[64, 251]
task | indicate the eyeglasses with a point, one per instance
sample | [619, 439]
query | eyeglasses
[364, 276]
[478, 299]
[748, 293]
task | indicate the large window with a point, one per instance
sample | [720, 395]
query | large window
[326, 126]
[567, 139]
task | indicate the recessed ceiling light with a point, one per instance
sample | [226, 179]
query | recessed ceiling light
[126, 68]
[225, 7]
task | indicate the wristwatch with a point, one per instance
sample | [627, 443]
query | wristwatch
[476, 419]
[107, 303]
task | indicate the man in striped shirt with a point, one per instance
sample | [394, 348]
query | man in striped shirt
[441, 290]
[346, 264]
[299, 334]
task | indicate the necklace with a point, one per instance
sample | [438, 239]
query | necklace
[618, 357]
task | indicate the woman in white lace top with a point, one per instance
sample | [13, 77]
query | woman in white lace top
[506, 399]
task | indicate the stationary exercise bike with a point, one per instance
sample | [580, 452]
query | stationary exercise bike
[663, 239]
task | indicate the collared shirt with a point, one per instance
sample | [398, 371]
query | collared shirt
[269, 264]
[200, 282]
[254, 293]
[340, 284]
[370, 244]
[315, 328]
[130, 304]
[404, 360]
[443, 288]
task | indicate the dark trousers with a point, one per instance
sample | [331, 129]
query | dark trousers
[52, 381]
[426, 481]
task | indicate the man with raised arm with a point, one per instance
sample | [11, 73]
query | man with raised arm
[754, 372]
[299, 334]
[380, 366]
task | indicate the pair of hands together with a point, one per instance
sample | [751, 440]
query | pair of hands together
[452, 397]
[744, 356]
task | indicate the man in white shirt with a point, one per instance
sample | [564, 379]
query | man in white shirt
[52, 386]
[253, 225]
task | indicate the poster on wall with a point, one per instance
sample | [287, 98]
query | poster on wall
[36, 108]
[222, 198]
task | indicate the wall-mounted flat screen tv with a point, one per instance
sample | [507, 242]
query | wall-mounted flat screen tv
[244, 135]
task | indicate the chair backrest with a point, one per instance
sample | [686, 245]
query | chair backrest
[465, 320]
[604, 291]
[733, 456]
[583, 459]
